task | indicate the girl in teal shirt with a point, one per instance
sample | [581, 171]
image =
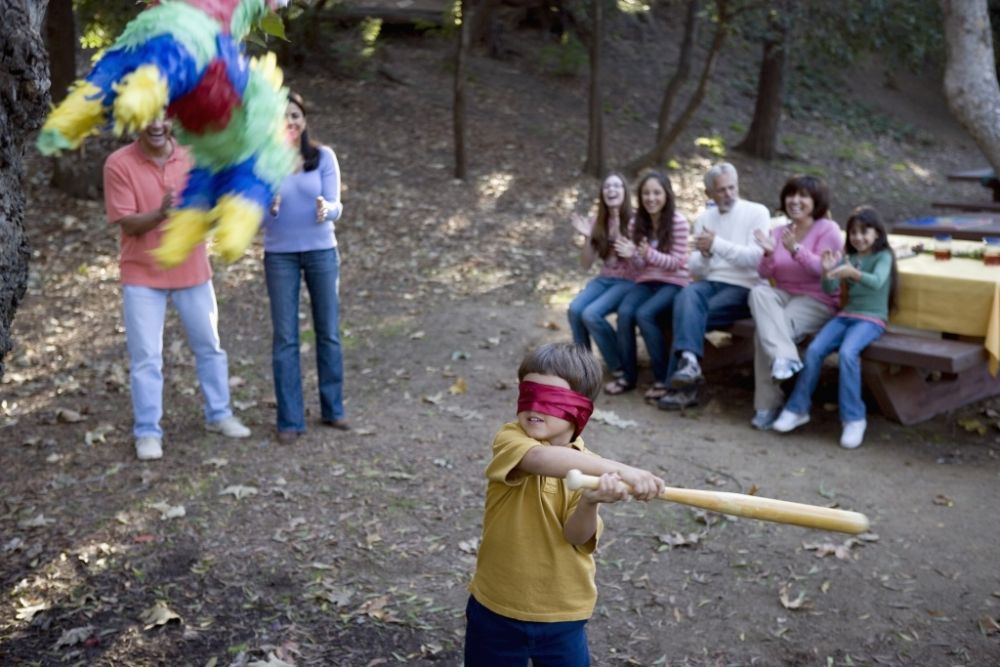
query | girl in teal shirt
[868, 279]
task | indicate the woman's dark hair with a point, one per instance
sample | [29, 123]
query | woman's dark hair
[644, 222]
[807, 185]
[307, 147]
[600, 236]
[573, 363]
[868, 218]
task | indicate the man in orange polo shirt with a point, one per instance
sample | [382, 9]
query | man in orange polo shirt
[141, 181]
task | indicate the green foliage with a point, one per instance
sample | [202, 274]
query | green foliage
[101, 21]
[567, 58]
[716, 145]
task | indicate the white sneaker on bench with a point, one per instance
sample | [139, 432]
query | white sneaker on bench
[789, 421]
[853, 434]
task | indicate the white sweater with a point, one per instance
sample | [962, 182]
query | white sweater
[735, 252]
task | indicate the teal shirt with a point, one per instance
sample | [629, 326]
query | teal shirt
[869, 296]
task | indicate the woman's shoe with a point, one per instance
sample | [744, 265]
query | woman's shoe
[288, 437]
[789, 421]
[618, 386]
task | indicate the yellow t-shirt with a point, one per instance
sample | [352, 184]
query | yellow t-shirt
[526, 569]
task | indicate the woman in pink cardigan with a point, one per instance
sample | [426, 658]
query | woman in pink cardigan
[793, 304]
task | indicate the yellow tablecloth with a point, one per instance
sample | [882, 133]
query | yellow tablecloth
[958, 296]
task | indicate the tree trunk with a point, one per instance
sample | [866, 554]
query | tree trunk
[24, 98]
[762, 136]
[970, 77]
[683, 70]
[594, 165]
[60, 41]
[458, 105]
[666, 137]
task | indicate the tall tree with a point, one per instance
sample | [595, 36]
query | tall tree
[667, 132]
[60, 42]
[762, 136]
[458, 102]
[24, 97]
[592, 35]
[970, 79]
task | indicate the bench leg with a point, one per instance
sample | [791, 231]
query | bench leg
[908, 397]
[738, 353]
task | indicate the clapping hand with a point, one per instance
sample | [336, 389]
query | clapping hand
[828, 260]
[581, 224]
[788, 239]
[703, 242]
[764, 240]
[624, 248]
[843, 272]
[166, 204]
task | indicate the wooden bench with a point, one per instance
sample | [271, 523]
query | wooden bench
[969, 207]
[912, 378]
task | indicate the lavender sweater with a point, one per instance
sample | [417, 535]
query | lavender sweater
[295, 229]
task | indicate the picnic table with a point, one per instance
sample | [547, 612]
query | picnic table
[984, 176]
[942, 348]
[967, 227]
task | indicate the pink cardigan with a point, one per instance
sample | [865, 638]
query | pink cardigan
[802, 274]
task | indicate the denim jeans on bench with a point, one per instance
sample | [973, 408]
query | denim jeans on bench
[851, 335]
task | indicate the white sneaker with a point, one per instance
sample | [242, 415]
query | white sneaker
[789, 421]
[148, 448]
[764, 419]
[853, 434]
[231, 427]
[782, 369]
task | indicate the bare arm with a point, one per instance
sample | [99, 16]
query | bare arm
[553, 461]
[581, 526]
[137, 224]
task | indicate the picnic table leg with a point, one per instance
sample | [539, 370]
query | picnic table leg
[910, 396]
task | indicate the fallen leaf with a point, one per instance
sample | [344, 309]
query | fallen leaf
[973, 425]
[676, 539]
[168, 511]
[68, 416]
[218, 463]
[239, 491]
[941, 499]
[841, 551]
[158, 614]
[417, 335]
[611, 419]
[460, 387]
[272, 661]
[800, 601]
[75, 636]
[989, 625]
[38, 521]
[469, 546]
[433, 400]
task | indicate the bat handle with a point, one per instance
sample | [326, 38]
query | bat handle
[577, 480]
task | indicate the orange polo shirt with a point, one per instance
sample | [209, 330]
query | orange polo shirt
[135, 183]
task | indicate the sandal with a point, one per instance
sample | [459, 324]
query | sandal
[618, 386]
[656, 392]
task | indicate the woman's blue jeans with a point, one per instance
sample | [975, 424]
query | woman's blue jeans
[646, 305]
[283, 272]
[851, 336]
[588, 316]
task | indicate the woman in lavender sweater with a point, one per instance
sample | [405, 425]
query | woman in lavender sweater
[299, 241]
[794, 304]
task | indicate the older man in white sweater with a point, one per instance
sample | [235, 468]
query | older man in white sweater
[725, 262]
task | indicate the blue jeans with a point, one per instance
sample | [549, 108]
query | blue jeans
[145, 309]
[588, 313]
[492, 640]
[283, 272]
[643, 306]
[851, 336]
[704, 305]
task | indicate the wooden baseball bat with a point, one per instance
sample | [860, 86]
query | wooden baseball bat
[753, 507]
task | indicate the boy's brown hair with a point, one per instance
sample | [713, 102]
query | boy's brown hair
[570, 362]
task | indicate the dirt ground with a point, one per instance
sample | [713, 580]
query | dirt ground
[355, 548]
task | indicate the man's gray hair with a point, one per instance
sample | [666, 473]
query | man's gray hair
[718, 170]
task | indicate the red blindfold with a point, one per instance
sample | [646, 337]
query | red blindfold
[555, 402]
